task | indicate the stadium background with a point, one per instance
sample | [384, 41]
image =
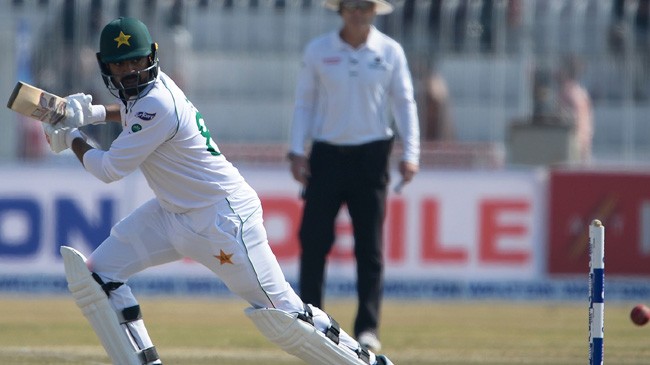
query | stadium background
[475, 224]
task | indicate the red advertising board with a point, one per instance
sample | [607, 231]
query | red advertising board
[620, 199]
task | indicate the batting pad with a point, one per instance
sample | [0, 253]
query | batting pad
[93, 302]
[300, 338]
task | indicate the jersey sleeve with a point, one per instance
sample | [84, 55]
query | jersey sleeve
[149, 124]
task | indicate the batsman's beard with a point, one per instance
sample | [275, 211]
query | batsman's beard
[131, 84]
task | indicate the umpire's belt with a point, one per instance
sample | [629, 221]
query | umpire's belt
[375, 146]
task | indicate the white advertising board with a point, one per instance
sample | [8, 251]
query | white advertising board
[445, 224]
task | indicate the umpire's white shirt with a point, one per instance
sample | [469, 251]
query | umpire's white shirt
[343, 94]
[166, 137]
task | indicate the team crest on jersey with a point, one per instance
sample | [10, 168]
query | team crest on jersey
[136, 128]
[224, 258]
[145, 115]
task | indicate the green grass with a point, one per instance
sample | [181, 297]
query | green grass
[45, 330]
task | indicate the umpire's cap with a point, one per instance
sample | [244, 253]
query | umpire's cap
[381, 6]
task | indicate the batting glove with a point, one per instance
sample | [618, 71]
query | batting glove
[60, 139]
[83, 111]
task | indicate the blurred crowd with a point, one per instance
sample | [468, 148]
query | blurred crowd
[558, 34]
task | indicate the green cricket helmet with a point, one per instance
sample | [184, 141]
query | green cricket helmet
[125, 39]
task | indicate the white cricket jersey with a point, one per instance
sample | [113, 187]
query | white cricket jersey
[344, 94]
[165, 136]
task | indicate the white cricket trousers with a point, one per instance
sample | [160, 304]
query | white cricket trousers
[228, 238]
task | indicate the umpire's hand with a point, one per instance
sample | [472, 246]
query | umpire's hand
[408, 170]
[299, 167]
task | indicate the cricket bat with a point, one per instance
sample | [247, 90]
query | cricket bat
[38, 104]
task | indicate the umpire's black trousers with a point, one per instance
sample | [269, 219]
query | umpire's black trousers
[358, 177]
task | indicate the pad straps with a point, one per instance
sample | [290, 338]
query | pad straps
[363, 354]
[107, 287]
[332, 332]
[132, 314]
[307, 316]
[149, 355]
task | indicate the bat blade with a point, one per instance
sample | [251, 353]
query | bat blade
[38, 104]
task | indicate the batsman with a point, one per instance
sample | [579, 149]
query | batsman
[203, 209]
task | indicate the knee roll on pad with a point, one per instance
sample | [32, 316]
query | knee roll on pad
[301, 339]
[91, 298]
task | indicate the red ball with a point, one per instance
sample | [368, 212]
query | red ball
[640, 314]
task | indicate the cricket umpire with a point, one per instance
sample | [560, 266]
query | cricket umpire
[350, 79]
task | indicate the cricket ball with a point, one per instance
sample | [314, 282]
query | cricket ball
[640, 314]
